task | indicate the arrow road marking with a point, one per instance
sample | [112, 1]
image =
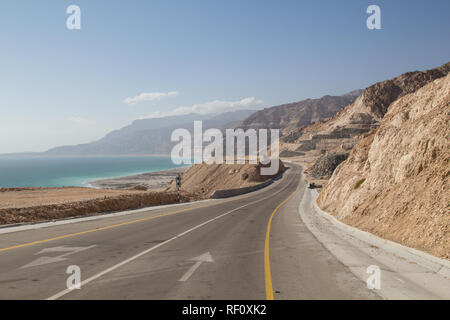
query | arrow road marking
[159, 245]
[206, 257]
[45, 260]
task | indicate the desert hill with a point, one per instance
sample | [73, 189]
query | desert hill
[203, 179]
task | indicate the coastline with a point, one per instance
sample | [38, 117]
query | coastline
[75, 171]
[155, 180]
[35, 204]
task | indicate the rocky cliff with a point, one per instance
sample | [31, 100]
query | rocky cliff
[395, 181]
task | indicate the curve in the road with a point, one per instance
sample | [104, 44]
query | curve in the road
[267, 272]
[108, 270]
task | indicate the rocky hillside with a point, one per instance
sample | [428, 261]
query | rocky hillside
[395, 183]
[294, 115]
[373, 103]
[324, 167]
[340, 133]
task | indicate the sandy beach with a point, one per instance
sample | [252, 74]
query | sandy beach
[152, 180]
[105, 188]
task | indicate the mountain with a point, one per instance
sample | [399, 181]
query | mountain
[149, 136]
[373, 103]
[294, 115]
[395, 182]
[152, 136]
[302, 123]
[341, 132]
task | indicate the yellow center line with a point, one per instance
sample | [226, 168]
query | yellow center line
[267, 273]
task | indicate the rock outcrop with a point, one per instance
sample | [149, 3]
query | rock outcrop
[324, 167]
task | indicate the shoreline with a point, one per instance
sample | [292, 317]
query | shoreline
[151, 180]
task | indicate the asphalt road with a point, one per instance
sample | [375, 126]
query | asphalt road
[248, 247]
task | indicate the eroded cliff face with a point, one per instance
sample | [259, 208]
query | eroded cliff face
[395, 183]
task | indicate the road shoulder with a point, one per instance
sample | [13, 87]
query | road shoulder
[402, 275]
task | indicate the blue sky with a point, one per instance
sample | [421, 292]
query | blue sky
[65, 87]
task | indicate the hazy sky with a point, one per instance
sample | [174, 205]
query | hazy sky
[134, 59]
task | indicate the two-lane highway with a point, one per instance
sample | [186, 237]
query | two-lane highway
[248, 247]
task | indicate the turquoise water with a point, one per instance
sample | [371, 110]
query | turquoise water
[73, 171]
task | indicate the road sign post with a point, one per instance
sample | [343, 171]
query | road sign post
[178, 180]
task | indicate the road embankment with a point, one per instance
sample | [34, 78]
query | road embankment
[73, 208]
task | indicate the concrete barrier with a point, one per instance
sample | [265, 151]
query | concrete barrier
[225, 193]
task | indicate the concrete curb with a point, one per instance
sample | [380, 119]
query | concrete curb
[435, 264]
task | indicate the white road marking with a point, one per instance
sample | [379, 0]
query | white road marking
[206, 257]
[46, 260]
[98, 275]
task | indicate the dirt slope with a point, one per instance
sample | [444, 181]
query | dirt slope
[395, 182]
[203, 179]
[42, 204]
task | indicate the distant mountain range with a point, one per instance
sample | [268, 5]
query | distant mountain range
[152, 136]
[294, 115]
[149, 136]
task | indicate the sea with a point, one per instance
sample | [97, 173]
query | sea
[74, 171]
